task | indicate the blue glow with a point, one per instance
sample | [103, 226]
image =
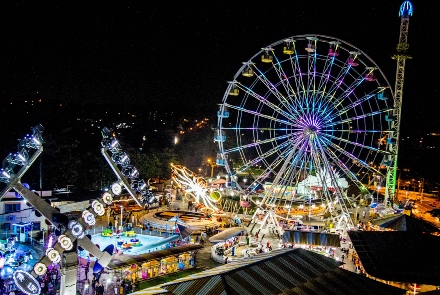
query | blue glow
[406, 9]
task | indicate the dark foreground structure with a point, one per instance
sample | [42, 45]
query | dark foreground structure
[284, 271]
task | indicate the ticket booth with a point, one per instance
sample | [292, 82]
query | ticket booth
[23, 231]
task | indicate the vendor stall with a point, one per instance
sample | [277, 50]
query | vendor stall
[150, 269]
[168, 265]
[131, 273]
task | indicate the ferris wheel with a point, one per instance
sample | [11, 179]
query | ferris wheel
[310, 115]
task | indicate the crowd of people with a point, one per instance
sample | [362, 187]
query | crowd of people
[50, 282]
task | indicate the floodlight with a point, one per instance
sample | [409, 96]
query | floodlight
[40, 269]
[98, 207]
[76, 229]
[53, 255]
[116, 188]
[88, 217]
[107, 198]
[65, 242]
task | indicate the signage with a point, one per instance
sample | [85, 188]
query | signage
[26, 283]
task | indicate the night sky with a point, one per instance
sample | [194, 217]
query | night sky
[183, 53]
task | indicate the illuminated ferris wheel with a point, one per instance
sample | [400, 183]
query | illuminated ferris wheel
[309, 114]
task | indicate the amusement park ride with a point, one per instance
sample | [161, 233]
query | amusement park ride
[312, 106]
[195, 187]
[309, 109]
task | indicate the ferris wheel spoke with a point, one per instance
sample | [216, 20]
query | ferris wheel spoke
[286, 163]
[350, 89]
[341, 76]
[355, 131]
[366, 97]
[286, 103]
[241, 109]
[322, 87]
[270, 168]
[277, 149]
[356, 144]
[298, 78]
[363, 116]
[354, 159]
[337, 85]
[293, 106]
[343, 199]
[265, 101]
[311, 78]
[344, 168]
[255, 144]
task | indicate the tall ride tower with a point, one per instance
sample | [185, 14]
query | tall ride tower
[406, 10]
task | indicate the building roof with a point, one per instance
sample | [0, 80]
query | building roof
[403, 222]
[399, 256]
[128, 260]
[284, 271]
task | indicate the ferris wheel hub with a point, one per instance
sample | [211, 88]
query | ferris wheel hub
[310, 130]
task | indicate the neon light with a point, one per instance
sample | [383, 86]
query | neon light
[6, 174]
[114, 143]
[406, 9]
[36, 140]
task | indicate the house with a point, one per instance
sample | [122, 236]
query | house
[18, 217]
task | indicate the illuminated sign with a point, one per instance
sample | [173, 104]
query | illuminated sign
[26, 283]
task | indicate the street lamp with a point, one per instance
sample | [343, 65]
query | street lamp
[212, 164]
[122, 207]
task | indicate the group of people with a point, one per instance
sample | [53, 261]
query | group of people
[50, 281]
[122, 288]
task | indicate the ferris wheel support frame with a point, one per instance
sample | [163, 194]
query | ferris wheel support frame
[401, 56]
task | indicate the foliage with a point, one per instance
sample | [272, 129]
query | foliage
[195, 148]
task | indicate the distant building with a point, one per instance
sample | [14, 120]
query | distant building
[18, 217]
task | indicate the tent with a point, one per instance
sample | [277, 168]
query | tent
[219, 181]
[226, 234]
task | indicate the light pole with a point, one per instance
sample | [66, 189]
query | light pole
[43, 231]
[32, 241]
[212, 164]
[122, 208]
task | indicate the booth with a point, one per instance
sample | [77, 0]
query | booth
[23, 231]
[162, 262]
[168, 265]
[131, 273]
[150, 269]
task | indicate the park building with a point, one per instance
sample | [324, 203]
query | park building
[19, 218]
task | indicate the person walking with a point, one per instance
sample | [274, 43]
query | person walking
[115, 289]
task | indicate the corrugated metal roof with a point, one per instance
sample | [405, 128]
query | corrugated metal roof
[274, 273]
[404, 222]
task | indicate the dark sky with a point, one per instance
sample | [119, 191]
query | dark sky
[156, 52]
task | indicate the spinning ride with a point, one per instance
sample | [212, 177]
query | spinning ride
[195, 186]
[309, 114]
